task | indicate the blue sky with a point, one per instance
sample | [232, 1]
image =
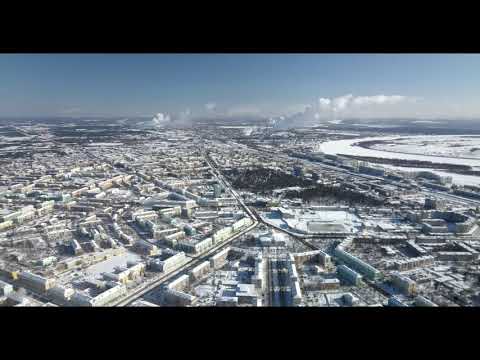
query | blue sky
[263, 84]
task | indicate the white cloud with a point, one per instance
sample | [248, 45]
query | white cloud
[211, 106]
[324, 103]
[347, 106]
[161, 119]
[341, 102]
[349, 102]
[324, 109]
[359, 104]
[181, 118]
[378, 99]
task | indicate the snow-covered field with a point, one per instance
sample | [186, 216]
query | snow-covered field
[450, 146]
[348, 147]
[309, 220]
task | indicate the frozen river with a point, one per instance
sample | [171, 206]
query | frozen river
[348, 147]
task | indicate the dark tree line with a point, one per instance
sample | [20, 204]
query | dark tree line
[334, 192]
[263, 179]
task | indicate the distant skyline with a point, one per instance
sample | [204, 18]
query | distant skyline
[309, 87]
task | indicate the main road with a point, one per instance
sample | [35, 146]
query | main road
[227, 185]
[157, 281]
[190, 264]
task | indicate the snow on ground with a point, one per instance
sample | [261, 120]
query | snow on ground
[425, 122]
[450, 146]
[105, 144]
[376, 125]
[348, 147]
[275, 219]
[121, 193]
[109, 264]
[456, 178]
[204, 290]
[14, 138]
[247, 130]
[315, 221]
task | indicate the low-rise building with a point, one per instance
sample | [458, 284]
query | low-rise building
[199, 271]
[412, 263]
[35, 282]
[5, 288]
[406, 285]
[219, 259]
